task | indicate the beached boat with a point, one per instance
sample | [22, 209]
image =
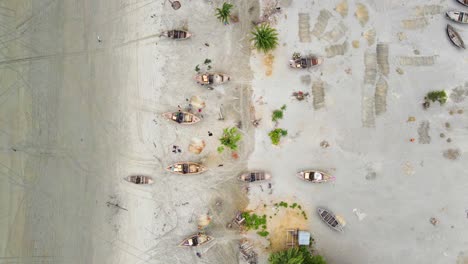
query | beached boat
[455, 37]
[212, 78]
[196, 240]
[331, 220]
[457, 16]
[181, 117]
[139, 179]
[463, 2]
[254, 176]
[176, 34]
[315, 176]
[186, 168]
[305, 62]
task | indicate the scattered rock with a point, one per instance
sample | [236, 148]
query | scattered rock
[305, 79]
[324, 144]
[447, 125]
[451, 112]
[460, 111]
[452, 154]
[408, 168]
[442, 135]
[416, 52]
[371, 175]
[400, 71]
[411, 119]
[401, 36]
[355, 44]
[342, 8]
[449, 140]
[433, 221]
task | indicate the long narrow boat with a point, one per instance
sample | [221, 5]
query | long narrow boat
[305, 62]
[186, 168]
[254, 176]
[457, 16]
[463, 2]
[212, 78]
[181, 117]
[315, 176]
[196, 240]
[455, 37]
[139, 179]
[176, 34]
[330, 219]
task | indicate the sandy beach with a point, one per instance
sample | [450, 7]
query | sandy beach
[83, 89]
[395, 185]
[84, 85]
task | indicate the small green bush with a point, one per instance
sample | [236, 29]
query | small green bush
[265, 38]
[231, 136]
[276, 134]
[253, 221]
[439, 96]
[224, 12]
[300, 255]
[278, 114]
[263, 233]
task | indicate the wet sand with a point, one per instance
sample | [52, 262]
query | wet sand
[83, 89]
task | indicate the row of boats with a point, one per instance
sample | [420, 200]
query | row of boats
[459, 17]
[193, 168]
[335, 222]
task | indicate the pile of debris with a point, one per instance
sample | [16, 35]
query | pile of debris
[246, 250]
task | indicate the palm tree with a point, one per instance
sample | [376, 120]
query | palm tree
[224, 12]
[265, 38]
[290, 256]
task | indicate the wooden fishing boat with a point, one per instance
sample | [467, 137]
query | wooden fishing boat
[455, 37]
[196, 240]
[457, 16]
[315, 176]
[186, 168]
[254, 176]
[212, 78]
[176, 34]
[139, 179]
[331, 220]
[463, 2]
[181, 117]
[305, 62]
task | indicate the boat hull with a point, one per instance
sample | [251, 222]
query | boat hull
[185, 121]
[201, 240]
[325, 177]
[178, 168]
[212, 78]
[139, 179]
[455, 37]
[459, 17]
[254, 177]
[330, 219]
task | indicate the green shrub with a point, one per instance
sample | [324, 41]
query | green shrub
[231, 136]
[253, 221]
[298, 255]
[439, 96]
[263, 233]
[278, 114]
[276, 134]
